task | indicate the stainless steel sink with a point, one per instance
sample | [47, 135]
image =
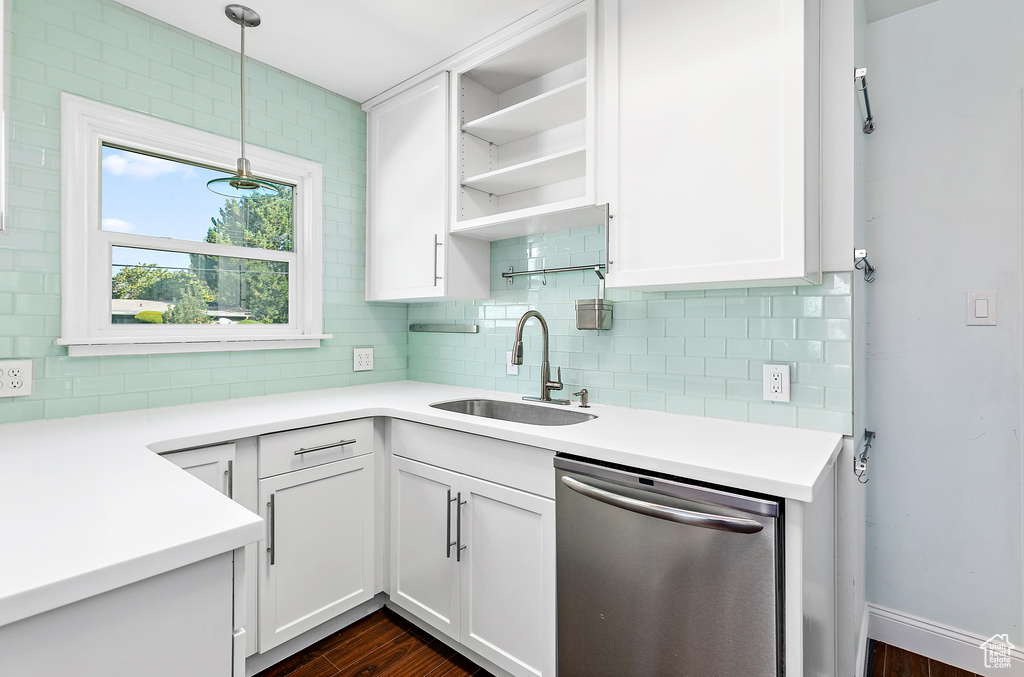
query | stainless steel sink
[515, 411]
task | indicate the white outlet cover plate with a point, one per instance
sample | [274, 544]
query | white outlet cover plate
[510, 368]
[15, 378]
[776, 382]
[362, 359]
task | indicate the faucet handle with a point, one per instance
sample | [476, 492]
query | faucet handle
[557, 383]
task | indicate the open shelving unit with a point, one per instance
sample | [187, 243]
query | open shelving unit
[524, 144]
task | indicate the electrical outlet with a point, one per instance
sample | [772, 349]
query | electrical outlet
[776, 382]
[15, 378]
[362, 359]
[510, 368]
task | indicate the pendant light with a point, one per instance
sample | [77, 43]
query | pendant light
[243, 184]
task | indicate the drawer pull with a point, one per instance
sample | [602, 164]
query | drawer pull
[340, 443]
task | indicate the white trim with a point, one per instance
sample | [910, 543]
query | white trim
[861, 663]
[939, 642]
[85, 264]
[166, 347]
[189, 247]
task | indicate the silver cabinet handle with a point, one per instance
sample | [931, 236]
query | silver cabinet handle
[697, 519]
[437, 243]
[270, 537]
[230, 472]
[458, 528]
[608, 238]
[339, 443]
[448, 514]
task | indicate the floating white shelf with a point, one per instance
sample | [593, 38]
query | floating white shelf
[554, 168]
[558, 107]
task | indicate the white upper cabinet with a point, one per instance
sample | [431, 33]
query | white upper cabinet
[409, 253]
[712, 125]
[524, 131]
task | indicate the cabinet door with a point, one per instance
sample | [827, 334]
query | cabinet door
[213, 465]
[508, 577]
[424, 554]
[317, 560]
[717, 123]
[216, 466]
[407, 198]
[171, 625]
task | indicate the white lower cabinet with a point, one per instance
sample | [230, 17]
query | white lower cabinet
[424, 552]
[174, 624]
[318, 556]
[213, 465]
[507, 583]
[475, 559]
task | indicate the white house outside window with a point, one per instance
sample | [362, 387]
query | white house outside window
[154, 262]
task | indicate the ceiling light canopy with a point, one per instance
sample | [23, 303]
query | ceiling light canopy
[243, 184]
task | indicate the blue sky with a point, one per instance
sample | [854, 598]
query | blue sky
[145, 195]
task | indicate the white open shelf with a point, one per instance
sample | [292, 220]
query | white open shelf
[555, 108]
[554, 168]
[546, 218]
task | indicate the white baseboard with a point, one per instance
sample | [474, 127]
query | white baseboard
[261, 661]
[936, 641]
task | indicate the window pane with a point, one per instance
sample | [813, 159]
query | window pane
[174, 288]
[146, 195]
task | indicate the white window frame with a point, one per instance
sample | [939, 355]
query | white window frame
[85, 247]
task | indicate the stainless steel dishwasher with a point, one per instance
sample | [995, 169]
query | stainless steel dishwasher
[658, 577]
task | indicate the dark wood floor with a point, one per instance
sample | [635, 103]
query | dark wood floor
[385, 645]
[885, 660]
[382, 644]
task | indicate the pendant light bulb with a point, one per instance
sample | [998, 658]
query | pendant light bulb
[243, 184]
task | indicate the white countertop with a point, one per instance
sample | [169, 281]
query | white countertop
[85, 506]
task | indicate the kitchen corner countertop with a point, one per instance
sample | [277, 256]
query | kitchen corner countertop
[88, 507]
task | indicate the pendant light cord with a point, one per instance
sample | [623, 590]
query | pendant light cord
[242, 81]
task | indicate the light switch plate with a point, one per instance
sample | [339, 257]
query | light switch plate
[362, 359]
[15, 378]
[510, 368]
[982, 308]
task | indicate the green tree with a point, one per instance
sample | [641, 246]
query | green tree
[147, 282]
[259, 287]
[190, 307]
[136, 282]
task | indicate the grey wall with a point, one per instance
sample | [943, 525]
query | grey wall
[944, 218]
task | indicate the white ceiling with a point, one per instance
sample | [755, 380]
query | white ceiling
[357, 48]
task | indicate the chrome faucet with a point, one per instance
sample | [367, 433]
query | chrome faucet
[546, 384]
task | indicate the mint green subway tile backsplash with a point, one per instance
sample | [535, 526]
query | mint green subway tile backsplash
[688, 352]
[102, 50]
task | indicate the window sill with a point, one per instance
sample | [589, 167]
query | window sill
[159, 346]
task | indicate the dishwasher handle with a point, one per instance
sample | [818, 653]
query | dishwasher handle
[736, 525]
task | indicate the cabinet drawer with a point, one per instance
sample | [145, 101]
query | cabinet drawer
[308, 447]
[514, 465]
